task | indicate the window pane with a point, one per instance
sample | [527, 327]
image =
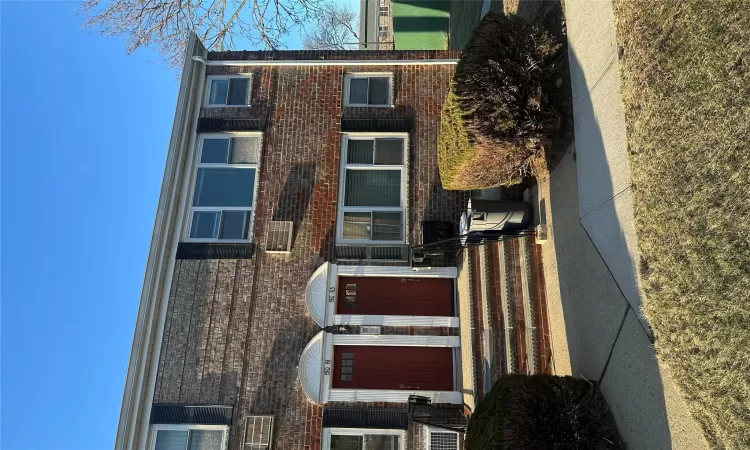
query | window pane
[229, 186]
[382, 442]
[389, 151]
[234, 225]
[218, 94]
[238, 91]
[342, 442]
[206, 439]
[215, 150]
[245, 150]
[171, 440]
[358, 91]
[359, 151]
[378, 91]
[205, 225]
[373, 188]
[356, 225]
[386, 226]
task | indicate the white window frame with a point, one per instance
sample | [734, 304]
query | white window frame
[197, 164]
[403, 209]
[328, 432]
[155, 428]
[348, 79]
[210, 78]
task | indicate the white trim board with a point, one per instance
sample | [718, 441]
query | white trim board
[396, 396]
[414, 321]
[396, 340]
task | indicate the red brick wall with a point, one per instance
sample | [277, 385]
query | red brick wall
[235, 329]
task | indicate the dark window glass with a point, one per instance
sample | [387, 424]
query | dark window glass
[205, 225]
[389, 151]
[373, 188]
[378, 91]
[224, 187]
[346, 362]
[218, 92]
[359, 151]
[346, 370]
[238, 91]
[346, 378]
[348, 355]
[343, 442]
[358, 91]
[215, 151]
[356, 225]
[382, 442]
[234, 225]
[386, 226]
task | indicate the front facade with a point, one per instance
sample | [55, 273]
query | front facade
[279, 308]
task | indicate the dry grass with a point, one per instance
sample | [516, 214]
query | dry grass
[686, 90]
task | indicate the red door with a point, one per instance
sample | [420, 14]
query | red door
[394, 296]
[412, 368]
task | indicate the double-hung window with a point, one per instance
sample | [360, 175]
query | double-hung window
[368, 89]
[224, 188]
[189, 437]
[372, 197]
[231, 90]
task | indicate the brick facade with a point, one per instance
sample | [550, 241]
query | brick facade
[235, 329]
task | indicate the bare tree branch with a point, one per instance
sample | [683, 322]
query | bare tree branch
[164, 24]
[334, 28]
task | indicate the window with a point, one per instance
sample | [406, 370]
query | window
[362, 439]
[368, 89]
[229, 90]
[189, 437]
[225, 184]
[385, 10]
[372, 196]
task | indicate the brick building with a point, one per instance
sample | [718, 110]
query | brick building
[279, 309]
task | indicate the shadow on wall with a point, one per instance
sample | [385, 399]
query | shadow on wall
[594, 307]
[277, 390]
[295, 197]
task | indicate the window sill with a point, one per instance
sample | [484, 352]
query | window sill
[215, 250]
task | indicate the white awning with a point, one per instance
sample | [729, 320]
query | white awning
[316, 294]
[311, 368]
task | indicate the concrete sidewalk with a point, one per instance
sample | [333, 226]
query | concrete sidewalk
[591, 258]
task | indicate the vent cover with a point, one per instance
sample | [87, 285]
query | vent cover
[258, 431]
[440, 440]
[279, 237]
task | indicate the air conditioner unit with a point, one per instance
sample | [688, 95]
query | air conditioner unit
[258, 430]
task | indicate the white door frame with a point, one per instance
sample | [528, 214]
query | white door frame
[384, 395]
[337, 270]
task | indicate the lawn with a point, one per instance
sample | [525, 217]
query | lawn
[685, 68]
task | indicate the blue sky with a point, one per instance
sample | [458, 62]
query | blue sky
[85, 130]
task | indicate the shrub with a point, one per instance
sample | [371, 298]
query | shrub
[498, 105]
[542, 412]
